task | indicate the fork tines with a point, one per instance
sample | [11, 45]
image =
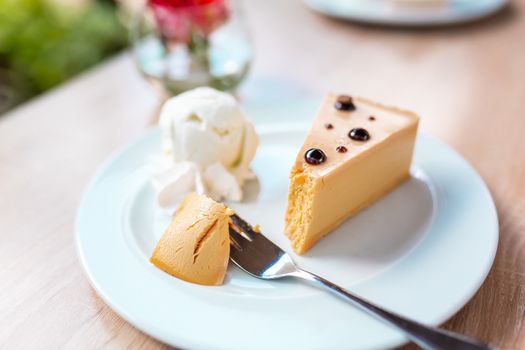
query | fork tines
[243, 226]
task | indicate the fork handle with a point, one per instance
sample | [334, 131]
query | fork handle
[424, 336]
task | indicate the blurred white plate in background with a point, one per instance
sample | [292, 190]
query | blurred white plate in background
[408, 12]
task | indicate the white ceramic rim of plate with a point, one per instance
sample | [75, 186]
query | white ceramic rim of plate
[376, 11]
[190, 342]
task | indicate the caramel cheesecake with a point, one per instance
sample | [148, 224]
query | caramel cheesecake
[196, 245]
[355, 152]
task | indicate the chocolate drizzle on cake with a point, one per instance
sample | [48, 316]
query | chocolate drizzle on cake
[359, 134]
[371, 118]
[341, 149]
[344, 103]
[328, 126]
[314, 156]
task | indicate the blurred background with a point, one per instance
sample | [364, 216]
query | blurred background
[45, 42]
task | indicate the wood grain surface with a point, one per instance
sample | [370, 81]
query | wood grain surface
[467, 82]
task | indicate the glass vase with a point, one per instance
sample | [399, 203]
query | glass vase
[180, 47]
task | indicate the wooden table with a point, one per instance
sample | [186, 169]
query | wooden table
[467, 82]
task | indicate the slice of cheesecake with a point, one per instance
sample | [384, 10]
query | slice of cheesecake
[196, 245]
[355, 152]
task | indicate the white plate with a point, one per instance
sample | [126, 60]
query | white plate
[397, 12]
[421, 251]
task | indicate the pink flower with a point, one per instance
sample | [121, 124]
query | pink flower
[177, 20]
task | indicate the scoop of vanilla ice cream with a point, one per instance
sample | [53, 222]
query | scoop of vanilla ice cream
[206, 131]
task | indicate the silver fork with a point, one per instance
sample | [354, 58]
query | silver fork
[258, 256]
